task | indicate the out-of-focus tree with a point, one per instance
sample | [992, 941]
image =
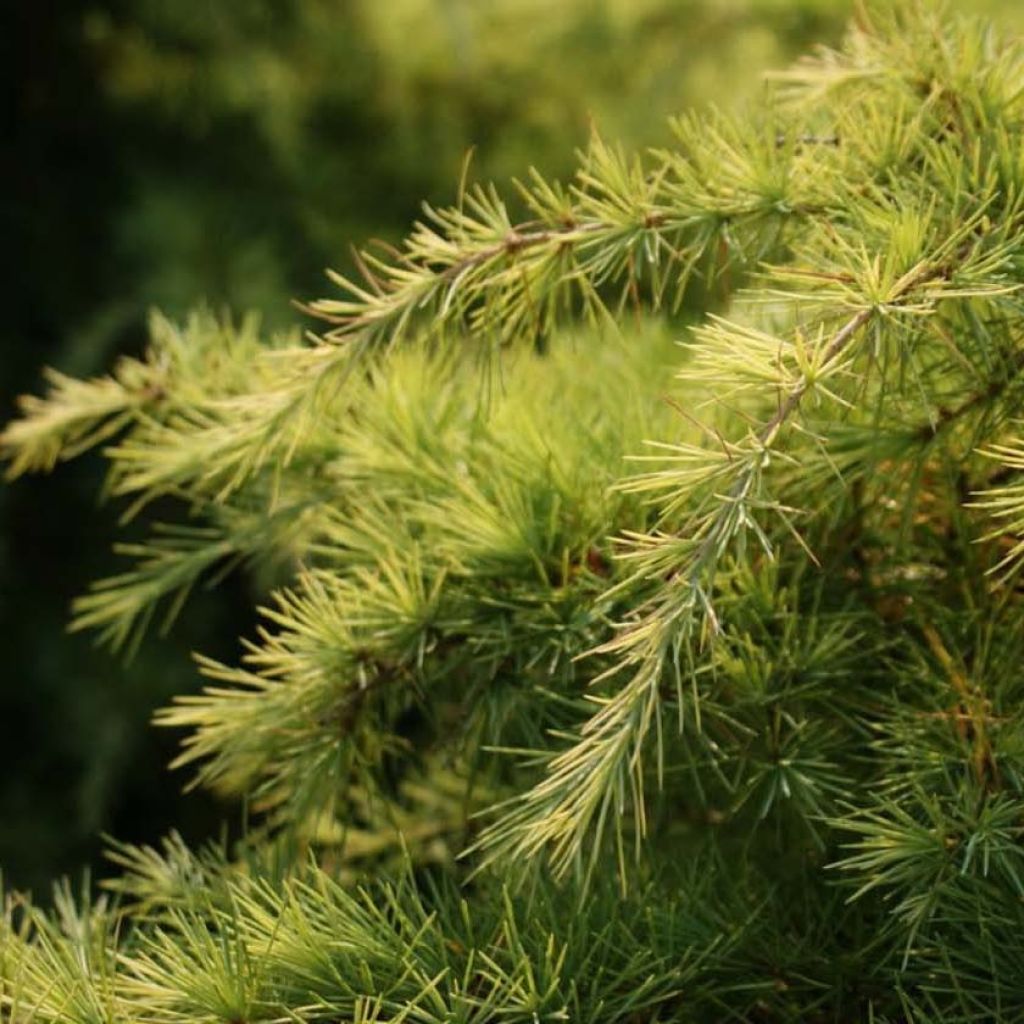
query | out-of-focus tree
[267, 136]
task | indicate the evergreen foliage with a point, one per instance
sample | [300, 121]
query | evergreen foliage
[603, 679]
[226, 154]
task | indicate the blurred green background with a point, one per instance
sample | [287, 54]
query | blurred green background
[167, 153]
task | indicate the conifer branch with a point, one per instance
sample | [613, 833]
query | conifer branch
[764, 647]
[588, 786]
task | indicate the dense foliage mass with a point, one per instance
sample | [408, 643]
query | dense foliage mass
[604, 678]
[183, 154]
